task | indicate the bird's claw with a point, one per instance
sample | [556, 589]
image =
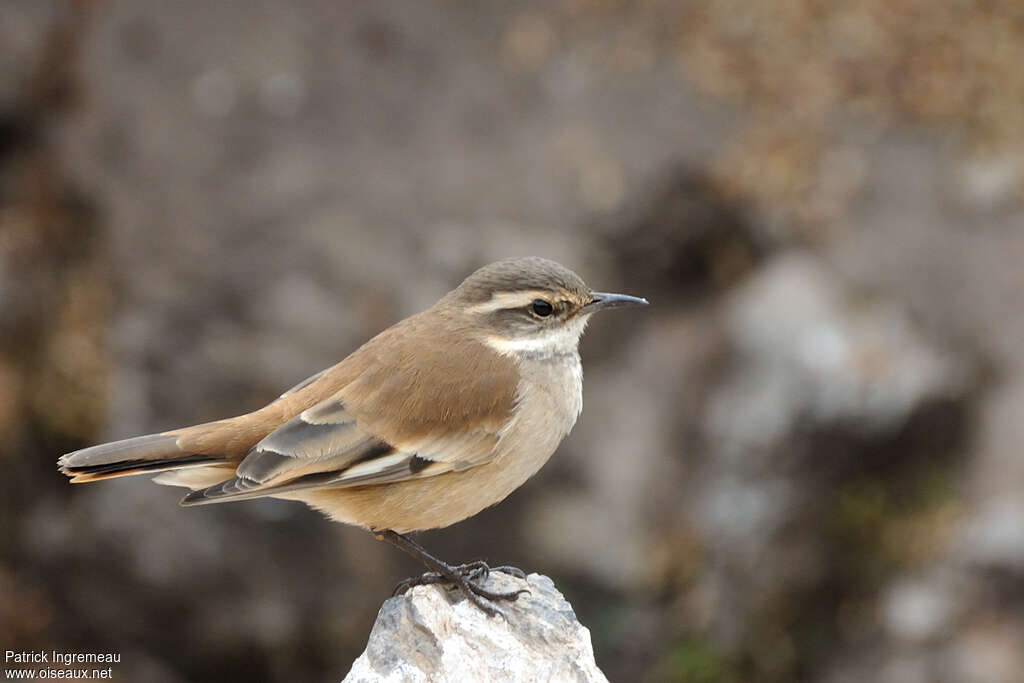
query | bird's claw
[467, 578]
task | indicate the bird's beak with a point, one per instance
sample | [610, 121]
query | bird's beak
[602, 300]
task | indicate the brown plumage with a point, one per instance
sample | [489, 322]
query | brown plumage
[432, 420]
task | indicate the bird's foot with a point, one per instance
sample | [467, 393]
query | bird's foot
[511, 571]
[468, 578]
[479, 570]
[465, 577]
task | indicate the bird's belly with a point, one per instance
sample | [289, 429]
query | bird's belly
[429, 503]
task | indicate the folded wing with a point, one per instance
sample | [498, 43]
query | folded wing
[324, 447]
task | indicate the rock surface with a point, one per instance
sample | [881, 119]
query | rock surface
[430, 634]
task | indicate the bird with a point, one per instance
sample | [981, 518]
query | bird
[436, 418]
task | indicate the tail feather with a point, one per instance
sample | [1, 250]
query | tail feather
[139, 455]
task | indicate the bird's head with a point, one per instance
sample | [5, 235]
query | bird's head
[529, 306]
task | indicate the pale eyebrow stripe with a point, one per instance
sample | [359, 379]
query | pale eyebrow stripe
[503, 300]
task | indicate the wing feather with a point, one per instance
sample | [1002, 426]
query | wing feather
[372, 432]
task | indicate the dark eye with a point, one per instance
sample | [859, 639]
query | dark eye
[541, 308]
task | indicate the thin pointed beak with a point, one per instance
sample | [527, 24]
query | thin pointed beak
[602, 300]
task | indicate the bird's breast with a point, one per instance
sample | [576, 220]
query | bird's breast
[549, 399]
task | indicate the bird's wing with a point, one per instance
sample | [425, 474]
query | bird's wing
[304, 383]
[371, 433]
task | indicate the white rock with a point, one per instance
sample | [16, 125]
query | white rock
[430, 634]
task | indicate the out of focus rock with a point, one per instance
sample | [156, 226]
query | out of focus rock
[813, 356]
[989, 183]
[995, 537]
[986, 652]
[424, 636]
[920, 610]
[686, 233]
[814, 464]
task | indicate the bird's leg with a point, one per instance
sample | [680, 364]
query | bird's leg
[466, 576]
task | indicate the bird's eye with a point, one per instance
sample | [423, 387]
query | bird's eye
[541, 308]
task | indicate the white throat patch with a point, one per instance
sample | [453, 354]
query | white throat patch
[554, 342]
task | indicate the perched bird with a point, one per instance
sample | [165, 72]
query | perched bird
[428, 423]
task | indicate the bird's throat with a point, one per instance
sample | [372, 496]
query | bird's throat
[550, 344]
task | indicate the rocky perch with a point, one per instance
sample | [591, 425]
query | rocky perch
[431, 634]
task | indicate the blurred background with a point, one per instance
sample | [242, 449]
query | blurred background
[801, 463]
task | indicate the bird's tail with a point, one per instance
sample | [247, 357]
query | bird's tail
[139, 455]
